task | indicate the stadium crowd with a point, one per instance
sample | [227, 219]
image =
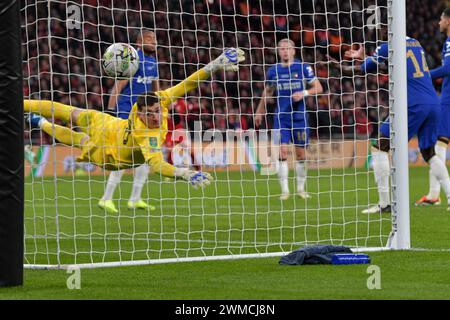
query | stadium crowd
[64, 64]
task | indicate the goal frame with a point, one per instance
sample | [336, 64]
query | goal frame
[398, 101]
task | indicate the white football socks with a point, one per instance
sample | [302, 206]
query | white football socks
[300, 169]
[439, 170]
[140, 177]
[283, 175]
[435, 186]
[381, 169]
[113, 181]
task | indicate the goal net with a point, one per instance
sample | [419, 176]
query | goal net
[240, 214]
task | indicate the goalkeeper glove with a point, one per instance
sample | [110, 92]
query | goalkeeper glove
[195, 178]
[227, 61]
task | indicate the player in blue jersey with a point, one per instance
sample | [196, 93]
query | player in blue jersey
[432, 198]
[423, 113]
[288, 81]
[123, 96]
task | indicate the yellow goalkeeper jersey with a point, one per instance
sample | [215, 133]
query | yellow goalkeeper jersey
[117, 143]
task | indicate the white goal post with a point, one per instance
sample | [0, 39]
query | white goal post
[242, 214]
[400, 237]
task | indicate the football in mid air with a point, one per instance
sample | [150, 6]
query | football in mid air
[120, 60]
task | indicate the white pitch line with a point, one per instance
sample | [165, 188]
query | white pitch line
[430, 249]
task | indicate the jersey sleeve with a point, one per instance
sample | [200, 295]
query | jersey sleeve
[441, 72]
[444, 70]
[379, 57]
[308, 73]
[151, 150]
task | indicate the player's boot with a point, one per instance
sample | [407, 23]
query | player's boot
[140, 205]
[377, 209]
[425, 201]
[108, 206]
[33, 119]
[79, 172]
[284, 196]
[304, 195]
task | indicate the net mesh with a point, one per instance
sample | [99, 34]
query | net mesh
[241, 212]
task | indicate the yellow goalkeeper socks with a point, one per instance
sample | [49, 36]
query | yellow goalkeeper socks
[49, 109]
[63, 134]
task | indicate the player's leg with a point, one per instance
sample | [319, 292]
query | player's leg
[139, 179]
[417, 116]
[49, 109]
[432, 198]
[438, 169]
[427, 139]
[301, 141]
[60, 111]
[283, 137]
[106, 202]
[381, 165]
[60, 133]
[283, 171]
[381, 170]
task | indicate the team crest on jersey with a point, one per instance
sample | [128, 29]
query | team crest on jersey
[153, 142]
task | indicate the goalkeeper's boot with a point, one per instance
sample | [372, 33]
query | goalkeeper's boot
[140, 205]
[425, 202]
[108, 206]
[304, 195]
[33, 119]
[378, 209]
[80, 172]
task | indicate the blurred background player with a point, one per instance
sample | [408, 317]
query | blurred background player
[123, 95]
[432, 198]
[423, 114]
[287, 81]
[30, 156]
[178, 143]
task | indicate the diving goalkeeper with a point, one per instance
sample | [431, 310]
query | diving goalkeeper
[113, 143]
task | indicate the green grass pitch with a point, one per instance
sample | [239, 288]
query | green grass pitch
[239, 213]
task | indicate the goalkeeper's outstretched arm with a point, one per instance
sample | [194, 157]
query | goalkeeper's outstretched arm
[228, 61]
